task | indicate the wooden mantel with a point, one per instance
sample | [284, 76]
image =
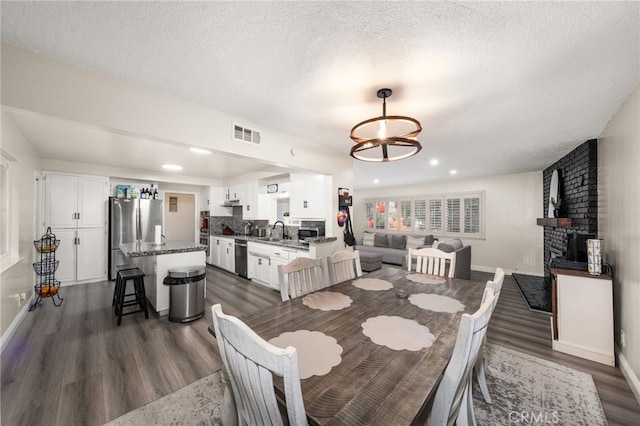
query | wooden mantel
[561, 222]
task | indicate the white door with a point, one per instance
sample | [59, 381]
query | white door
[66, 254]
[91, 253]
[61, 202]
[92, 202]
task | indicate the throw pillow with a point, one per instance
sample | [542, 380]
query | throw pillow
[428, 240]
[445, 246]
[367, 239]
[398, 241]
[381, 240]
[435, 244]
[414, 242]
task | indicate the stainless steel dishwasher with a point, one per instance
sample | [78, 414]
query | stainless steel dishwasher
[241, 257]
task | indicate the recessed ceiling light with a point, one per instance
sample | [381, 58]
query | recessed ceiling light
[376, 181]
[199, 150]
[172, 167]
[434, 162]
[453, 171]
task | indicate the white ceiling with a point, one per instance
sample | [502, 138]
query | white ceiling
[499, 88]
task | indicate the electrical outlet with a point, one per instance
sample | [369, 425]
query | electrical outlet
[623, 340]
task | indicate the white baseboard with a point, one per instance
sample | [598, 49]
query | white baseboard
[586, 353]
[627, 372]
[6, 337]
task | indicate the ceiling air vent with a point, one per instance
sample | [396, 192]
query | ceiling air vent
[246, 135]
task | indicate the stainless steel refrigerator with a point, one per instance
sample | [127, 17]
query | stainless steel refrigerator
[130, 220]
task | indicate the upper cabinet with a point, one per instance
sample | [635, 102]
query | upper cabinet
[255, 205]
[211, 200]
[75, 201]
[235, 193]
[310, 196]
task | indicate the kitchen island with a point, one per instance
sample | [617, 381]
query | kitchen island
[155, 260]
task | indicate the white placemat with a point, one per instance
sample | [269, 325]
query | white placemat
[373, 284]
[327, 301]
[426, 279]
[397, 333]
[436, 303]
[317, 352]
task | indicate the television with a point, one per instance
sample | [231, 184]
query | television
[577, 246]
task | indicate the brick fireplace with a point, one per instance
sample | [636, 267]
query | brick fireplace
[579, 195]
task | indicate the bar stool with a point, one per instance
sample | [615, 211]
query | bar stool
[140, 297]
[120, 267]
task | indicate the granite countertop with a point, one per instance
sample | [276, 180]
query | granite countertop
[151, 249]
[277, 242]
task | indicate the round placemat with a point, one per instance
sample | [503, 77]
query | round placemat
[397, 333]
[373, 284]
[317, 352]
[327, 301]
[436, 303]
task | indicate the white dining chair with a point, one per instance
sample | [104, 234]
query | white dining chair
[250, 363]
[432, 261]
[299, 277]
[481, 364]
[453, 402]
[343, 266]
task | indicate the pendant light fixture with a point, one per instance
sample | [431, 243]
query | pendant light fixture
[385, 138]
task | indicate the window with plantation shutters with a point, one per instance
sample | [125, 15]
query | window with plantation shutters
[453, 215]
[449, 215]
[435, 215]
[471, 215]
[420, 215]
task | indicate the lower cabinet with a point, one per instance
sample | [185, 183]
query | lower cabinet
[264, 260]
[222, 253]
[82, 254]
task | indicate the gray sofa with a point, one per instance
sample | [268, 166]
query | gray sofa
[394, 248]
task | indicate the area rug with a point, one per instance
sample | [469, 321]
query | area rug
[199, 403]
[530, 390]
[525, 390]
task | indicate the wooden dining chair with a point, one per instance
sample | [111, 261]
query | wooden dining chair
[250, 363]
[453, 402]
[343, 266]
[299, 277]
[481, 364]
[432, 261]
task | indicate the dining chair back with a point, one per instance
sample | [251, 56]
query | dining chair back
[453, 403]
[250, 363]
[433, 261]
[299, 277]
[481, 364]
[343, 266]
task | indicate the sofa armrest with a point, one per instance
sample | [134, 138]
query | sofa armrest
[463, 263]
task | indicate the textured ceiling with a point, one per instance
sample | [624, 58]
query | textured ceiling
[498, 87]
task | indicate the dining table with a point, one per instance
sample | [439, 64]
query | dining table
[372, 381]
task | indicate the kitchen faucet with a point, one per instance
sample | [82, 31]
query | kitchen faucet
[284, 229]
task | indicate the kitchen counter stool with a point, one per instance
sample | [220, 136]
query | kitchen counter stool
[140, 297]
[120, 267]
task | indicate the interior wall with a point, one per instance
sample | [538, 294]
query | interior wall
[619, 225]
[20, 277]
[512, 241]
[180, 225]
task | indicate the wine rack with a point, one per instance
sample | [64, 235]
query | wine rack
[46, 285]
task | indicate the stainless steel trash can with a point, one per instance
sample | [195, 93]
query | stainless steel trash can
[186, 293]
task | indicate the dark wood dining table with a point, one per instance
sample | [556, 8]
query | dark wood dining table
[373, 384]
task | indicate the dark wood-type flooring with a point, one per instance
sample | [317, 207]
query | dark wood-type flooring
[72, 365]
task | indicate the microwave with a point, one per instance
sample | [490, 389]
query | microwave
[310, 232]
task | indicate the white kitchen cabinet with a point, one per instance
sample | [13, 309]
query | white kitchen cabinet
[228, 255]
[214, 251]
[310, 196]
[235, 193]
[259, 269]
[583, 314]
[255, 205]
[75, 209]
[212, 198]
[75, 201]
[82, 254]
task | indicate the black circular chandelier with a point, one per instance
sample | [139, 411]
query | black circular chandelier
[385, 138]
